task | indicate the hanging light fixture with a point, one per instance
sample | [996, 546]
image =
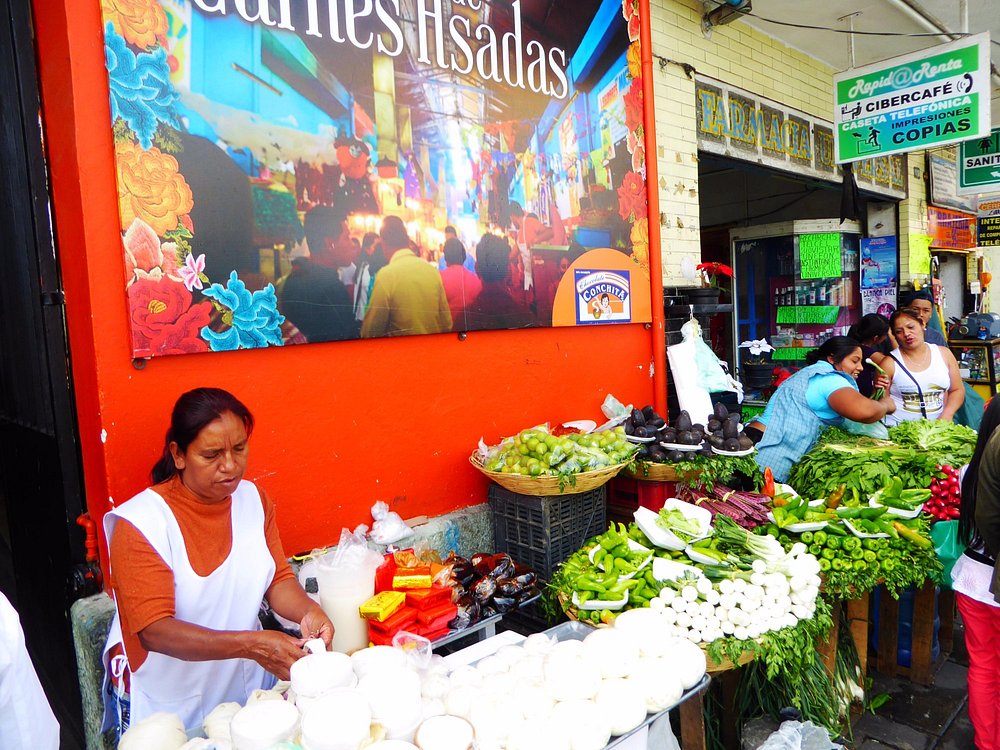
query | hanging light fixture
[721, 12]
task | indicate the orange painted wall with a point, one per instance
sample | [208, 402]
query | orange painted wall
[339, 425]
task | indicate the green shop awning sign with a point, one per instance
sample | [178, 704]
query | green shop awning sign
[929, 98]
[979, 165]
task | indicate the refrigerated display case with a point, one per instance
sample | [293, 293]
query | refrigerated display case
[979, 362]
[798, 284]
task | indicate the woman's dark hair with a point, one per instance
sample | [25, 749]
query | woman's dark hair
[454, 252]
[870, 326]
[836, 347]
[967, 531]
[493, 258]
[905, 312]
[193, 411]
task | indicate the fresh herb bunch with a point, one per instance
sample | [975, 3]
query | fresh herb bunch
[861, 463]
[704, 471]
[852, 566]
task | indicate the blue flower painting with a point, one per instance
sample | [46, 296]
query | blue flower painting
[256, 322]
[141, 93]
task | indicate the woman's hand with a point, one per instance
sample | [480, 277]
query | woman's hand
[315, 624]
[275, 651]
[883, 382]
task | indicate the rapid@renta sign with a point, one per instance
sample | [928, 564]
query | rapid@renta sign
[929, 98]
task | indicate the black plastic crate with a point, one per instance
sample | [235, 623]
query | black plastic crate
[541, 532]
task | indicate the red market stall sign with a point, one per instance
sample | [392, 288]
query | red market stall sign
[952, 230]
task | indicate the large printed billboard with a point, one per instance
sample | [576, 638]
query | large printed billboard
[302, 171]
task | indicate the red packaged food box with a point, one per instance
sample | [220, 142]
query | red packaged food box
[426, 598]
[447, 611]
[399, 621]
[378, 639]
[433, 635]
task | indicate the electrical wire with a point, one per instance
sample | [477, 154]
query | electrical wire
[956, 34]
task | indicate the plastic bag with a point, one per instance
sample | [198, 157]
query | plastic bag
[944, 534]
[799, 735]
[691, 393]
[388, 526]
[711, 373]
[417, 648]
[873, 430]
[970, 413]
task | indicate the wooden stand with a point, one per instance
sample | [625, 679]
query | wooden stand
[922, 669]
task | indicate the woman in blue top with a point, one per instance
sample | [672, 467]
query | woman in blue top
[824, 393]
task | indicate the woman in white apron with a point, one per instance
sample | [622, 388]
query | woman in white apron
[925, 379]
[195, 642]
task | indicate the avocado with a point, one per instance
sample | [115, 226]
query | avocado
[714, 424]
[721, 412]
[675, 456]
[731, 444]
[706, 452]
[629, 425]
[658, 422]
[745, 443]
[638, 418]
[643, 452]
[647, 412]
[715, 441]
[730, 430]
[683, 422]
[669, 435]
[688, 438]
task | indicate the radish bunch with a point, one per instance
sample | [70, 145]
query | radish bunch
[946, 494]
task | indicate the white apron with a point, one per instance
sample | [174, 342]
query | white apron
[227, 599]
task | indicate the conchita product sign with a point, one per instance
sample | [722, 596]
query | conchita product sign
[602, 296]
[311, 171]
[925, 99]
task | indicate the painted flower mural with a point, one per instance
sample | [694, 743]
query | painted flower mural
[141, 94]
[632, 197]
[639, 237]
[146, 257]
[151, 188]
[140, 22]
[160, 309]
[253, 317]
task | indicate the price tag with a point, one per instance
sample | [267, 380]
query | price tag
[827, 314]
[819, 256]
[975, 288]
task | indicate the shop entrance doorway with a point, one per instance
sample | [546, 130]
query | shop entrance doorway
[40, 478]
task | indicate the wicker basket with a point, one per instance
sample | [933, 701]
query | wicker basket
[713, 667]
[652, 471]
[525, 485]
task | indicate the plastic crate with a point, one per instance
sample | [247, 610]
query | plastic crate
[541, 532]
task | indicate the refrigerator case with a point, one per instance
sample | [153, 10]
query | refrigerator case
[794, 290]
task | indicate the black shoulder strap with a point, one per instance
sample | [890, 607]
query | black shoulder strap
[923, 411]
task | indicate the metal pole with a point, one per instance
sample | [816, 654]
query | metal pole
[658, 335]
[850, 37]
